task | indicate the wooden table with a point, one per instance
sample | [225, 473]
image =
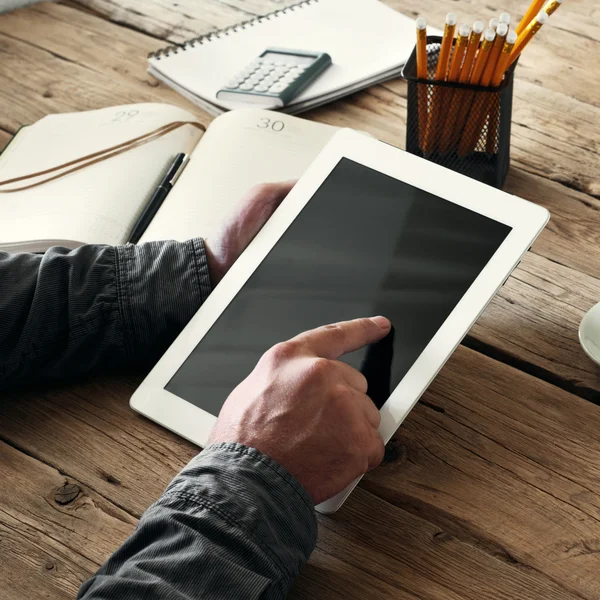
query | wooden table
[491, 489]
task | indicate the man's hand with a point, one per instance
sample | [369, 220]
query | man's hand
[239, 230]
[309, 411]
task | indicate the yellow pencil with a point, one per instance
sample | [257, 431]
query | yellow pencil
[497, 47]
[460, 48]
[447, 40]
[472, 48]
[422, 73]
[440, 75]
[493, 24]
[483, 107]
[504, 59]
[504, 18]
[534, 9]
[448, 105]
[552, 6]
[484, 52]
[525, 37]
[482, 57]
[457, 112]
[501, 66]
[421, 48]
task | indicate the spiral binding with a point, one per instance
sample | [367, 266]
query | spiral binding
[215, 35]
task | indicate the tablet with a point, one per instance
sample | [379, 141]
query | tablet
[368, 230]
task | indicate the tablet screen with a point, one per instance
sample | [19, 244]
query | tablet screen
[365, 244]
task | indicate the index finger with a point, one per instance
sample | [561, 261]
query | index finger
[331, 341]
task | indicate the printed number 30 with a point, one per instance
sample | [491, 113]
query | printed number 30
[268, 124]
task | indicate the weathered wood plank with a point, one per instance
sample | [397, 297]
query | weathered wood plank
[5, 137]
[94, 77]
[45, 536]
[486, 493]
[560, 52]
[564, 149]
[76, 70]
[185, 19]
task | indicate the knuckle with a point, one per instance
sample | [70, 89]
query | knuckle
[262, 189]
[320, 367]
[340, 392]
[282, 351]
[335, 331]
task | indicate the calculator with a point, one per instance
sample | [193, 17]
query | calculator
[275, 77]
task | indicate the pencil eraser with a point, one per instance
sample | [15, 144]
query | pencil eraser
[464, 30]
[489, 35]
[494, 23]
[505, 18]
[451, 18]
[421, 23]
[478, 27]
[512, 36]
[542, 17]
[502, 30]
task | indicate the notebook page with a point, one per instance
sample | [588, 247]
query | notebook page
[98, 204]
[240, 149]
[364, 38]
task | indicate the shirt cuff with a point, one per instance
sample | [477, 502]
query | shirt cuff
[160, 286]
[257, 495]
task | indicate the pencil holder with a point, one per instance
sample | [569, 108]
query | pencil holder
[463, 127]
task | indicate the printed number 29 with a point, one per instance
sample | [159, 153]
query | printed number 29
[123, 116]
[265, 123]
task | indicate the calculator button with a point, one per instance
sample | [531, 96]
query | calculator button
[246, 86]
[232, 85]
[261, 88]
[279, 64]
[278, 87]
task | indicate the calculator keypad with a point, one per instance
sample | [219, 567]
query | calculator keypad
[267, 76]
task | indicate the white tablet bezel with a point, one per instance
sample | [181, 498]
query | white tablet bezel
[525, 218]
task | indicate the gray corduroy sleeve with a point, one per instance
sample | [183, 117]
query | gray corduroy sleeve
[232, 525]
[70, 312]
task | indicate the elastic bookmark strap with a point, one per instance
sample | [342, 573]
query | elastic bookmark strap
[96, 157]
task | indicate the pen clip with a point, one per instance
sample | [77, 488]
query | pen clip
[179, 171]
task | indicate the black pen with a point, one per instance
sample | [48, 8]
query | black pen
[158, 197]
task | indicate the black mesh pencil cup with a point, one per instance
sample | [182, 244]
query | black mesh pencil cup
[463, 127]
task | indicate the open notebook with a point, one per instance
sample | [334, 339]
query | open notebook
[367, 41]
[101, 203]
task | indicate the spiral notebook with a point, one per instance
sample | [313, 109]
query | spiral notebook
[367, 41]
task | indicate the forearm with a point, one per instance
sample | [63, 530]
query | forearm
[233, 524]
[71, 312]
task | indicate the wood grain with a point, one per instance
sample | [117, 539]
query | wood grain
[45, 543]
[492, 484]
[96, 77]
[5, 137]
